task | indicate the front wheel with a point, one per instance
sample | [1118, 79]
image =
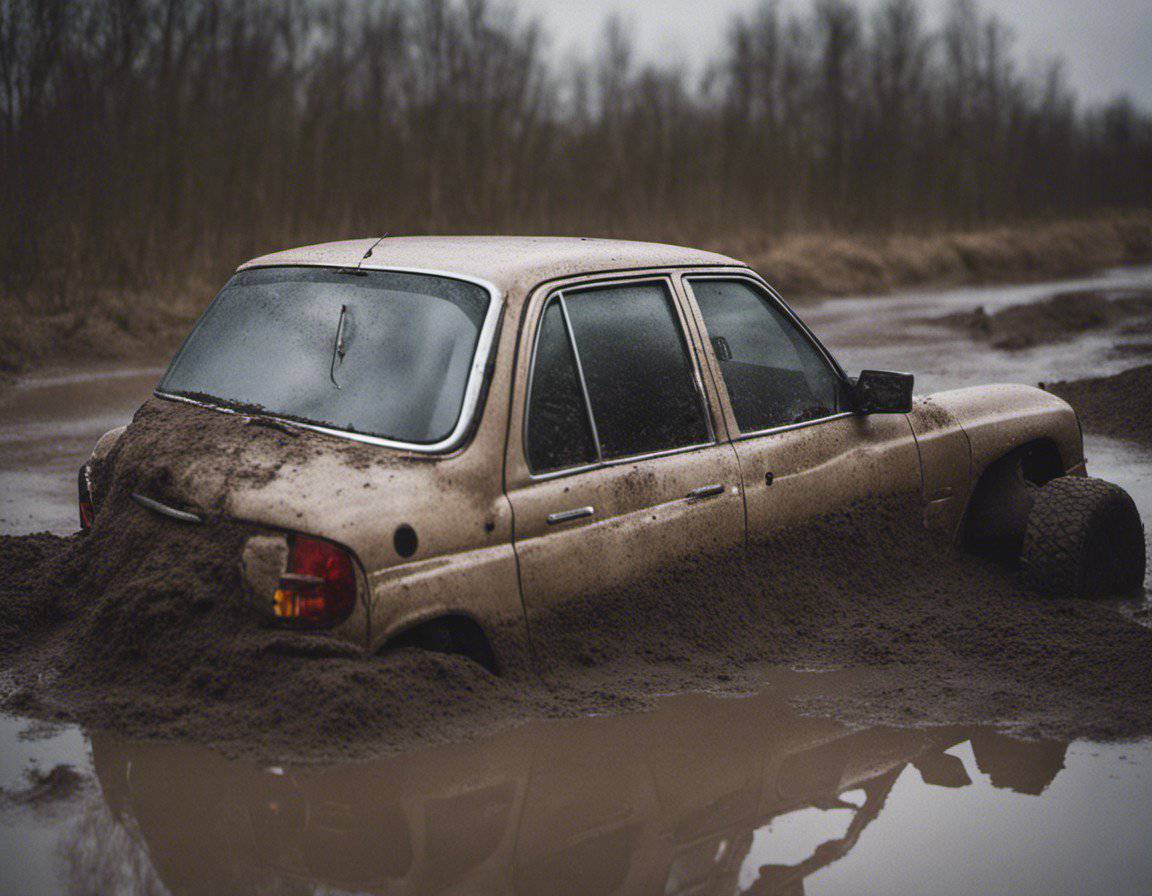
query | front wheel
[1084, 539]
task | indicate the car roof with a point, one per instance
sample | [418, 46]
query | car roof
[510, 263]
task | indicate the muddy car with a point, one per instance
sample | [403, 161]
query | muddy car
[429, 442]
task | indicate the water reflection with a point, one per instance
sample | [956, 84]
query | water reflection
[684, 800]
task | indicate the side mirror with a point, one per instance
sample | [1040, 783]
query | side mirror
[884, 392]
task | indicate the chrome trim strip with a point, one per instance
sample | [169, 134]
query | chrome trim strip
[164, 510]
[472, 389]
[568, 516]
[619, 462]
[791, 426]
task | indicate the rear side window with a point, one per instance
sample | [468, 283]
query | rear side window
[774, 374]
[636, 364]
[622, 348]
[559, 431]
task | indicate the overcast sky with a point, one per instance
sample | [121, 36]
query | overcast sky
[1106, 44]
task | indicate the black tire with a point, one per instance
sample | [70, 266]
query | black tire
[1084, 539]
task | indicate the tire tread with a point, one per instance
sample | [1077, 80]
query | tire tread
[1064, 514]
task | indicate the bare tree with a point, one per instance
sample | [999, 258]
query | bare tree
[138, 134]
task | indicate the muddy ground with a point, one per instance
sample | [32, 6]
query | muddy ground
[1118, 405]
[159, 643]
[1061, 318]
[155, 643]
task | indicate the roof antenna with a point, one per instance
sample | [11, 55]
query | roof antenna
[371, 249]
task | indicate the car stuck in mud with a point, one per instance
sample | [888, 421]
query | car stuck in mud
[442, 442]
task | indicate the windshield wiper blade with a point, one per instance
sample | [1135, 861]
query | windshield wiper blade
[339, 349]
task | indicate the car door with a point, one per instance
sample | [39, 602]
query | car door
[803, 451]
[614, 468]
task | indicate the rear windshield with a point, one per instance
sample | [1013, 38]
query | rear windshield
[379, 353]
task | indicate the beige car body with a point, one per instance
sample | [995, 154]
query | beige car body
[486, 549]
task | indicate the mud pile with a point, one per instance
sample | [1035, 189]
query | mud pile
[143, 627]
[1061, 317]
[1118, 406]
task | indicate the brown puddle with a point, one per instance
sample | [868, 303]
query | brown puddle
[702, 795]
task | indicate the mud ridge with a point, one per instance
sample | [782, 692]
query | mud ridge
[1056, 319]
[1119, 406]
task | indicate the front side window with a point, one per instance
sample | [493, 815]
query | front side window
[380, 353]
[774, 374]
[626, 344]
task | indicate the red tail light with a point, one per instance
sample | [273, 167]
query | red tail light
[319, 587]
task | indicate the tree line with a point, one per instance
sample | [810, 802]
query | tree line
[142, 139]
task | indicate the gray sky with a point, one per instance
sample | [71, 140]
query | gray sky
[1106, 44]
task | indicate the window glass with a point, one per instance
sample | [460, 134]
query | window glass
[559, 434]
[774, 374]
[636, 366]
[377, 352]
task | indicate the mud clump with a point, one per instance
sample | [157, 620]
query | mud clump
[1118, 406]
[943, 637]
[1058, 318]
[143, 627]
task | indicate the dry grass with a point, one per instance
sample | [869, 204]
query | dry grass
[147, 326]
[141, 327]
[805, 265]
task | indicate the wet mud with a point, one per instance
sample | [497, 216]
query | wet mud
[698, 796]
[46, 790]
[141, 627]
[214, 455]
[1118, 406]
[1057, 318]
[607, 805]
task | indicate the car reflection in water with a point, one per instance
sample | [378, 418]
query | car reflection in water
[663, 802]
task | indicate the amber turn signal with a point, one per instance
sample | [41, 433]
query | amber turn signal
[318, 589]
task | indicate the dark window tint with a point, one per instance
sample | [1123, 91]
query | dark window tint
[636, 365]
[376, 352]
[774, 374]
[559, 434]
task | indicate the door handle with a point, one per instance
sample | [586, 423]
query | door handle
[567, 516]
[706, 491]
